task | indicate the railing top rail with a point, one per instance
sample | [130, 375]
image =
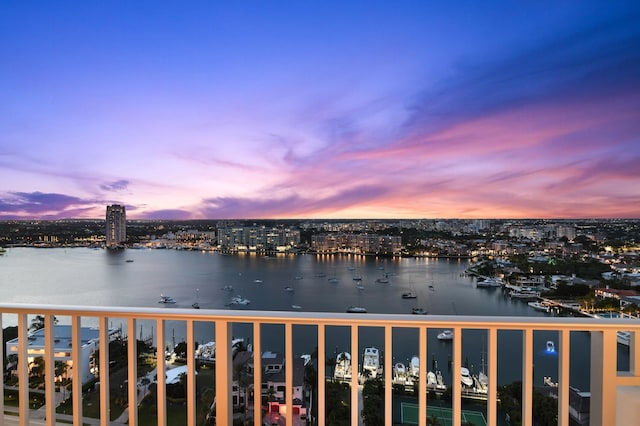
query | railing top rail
[327, 318]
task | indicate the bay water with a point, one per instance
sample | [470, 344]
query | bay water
[137, 278]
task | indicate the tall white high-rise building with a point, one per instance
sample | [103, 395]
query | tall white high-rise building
[116, 225]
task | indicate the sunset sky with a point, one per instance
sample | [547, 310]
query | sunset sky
[320, 109]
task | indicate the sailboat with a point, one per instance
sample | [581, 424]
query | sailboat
[195, 304]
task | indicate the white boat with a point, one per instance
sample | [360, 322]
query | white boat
[550, 346]
[408, 295]
[414, 367]
[371, 362]
[288, 288]
[257, 281]
[431, 379]
[399, 372]
[296, 307]
[440, 380]
[465, 377]
[419, 311]
[539, 306]
[624, 337]
[207, 351]
[343, 366]
[384, 279]
[483, 379]
[488, 282]
[166, 299]
[239, 300]
[332, 280]
[356, 310]
[445, 335]
[525, 293]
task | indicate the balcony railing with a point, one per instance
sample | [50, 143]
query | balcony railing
[610, 389]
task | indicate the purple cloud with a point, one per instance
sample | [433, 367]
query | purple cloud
[291, 206]
[22, 205]
[118, 185]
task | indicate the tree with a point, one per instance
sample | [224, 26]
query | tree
[245, 383]
[433, 421]
[331, 362]
[372, 394]
[181, 350]
[38, 322]
[37, 367]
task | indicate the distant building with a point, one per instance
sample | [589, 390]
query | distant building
[116, 225]
[258, 238]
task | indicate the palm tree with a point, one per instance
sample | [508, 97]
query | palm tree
[331, 362]
[38, 322]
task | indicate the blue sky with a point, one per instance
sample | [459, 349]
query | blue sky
[320, 109]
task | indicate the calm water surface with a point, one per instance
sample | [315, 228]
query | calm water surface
[136, 278]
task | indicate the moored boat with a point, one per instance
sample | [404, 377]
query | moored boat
[356, 310]
[414, 366]
[419, 311]
[371, 362]
[343, 366]
[166, 299]
[445, 335]
[465, 377]
[488, 283]
[539, 306]
[239, 300]
[399, 372]
[550, 346]
[408, 295]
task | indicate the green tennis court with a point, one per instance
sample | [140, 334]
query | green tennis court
[409, 415]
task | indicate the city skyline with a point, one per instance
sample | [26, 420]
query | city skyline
[320, 110]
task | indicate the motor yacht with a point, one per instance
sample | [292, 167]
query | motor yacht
[539, 306]
[419, 311]
[408, 295]
[399, 372]
[431, 379]
[465, 377]
[166, 299]
[343, 366]
[371, 362]
[239, 300]
[550, 346]
[488, 283]
[445, 335]
[356, 310]
[414, 366]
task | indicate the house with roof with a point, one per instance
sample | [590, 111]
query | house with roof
[62, 338]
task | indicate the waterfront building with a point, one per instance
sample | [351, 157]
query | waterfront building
[116, 225]
[357, 243]
[258, 238]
